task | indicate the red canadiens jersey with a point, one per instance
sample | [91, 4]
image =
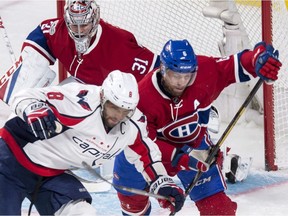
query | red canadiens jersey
[113, 48]
[184, 120]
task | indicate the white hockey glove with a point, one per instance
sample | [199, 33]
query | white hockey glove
[40, 119]
[165, 186]
[195, 160]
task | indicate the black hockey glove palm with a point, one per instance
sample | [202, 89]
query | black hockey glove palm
[165, 186]
[41, 120]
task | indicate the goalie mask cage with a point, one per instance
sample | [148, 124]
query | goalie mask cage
[153, 22]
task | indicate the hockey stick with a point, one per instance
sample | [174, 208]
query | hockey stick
[7, 41]
[5, 77]
[221, 140]
[128, 189]
[227, 131]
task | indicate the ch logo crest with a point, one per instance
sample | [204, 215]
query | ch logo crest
[183, 130]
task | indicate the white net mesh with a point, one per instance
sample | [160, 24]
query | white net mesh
[280, 40]
[153, 22]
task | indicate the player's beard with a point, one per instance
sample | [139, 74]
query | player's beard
[108, 121]
[172, 90]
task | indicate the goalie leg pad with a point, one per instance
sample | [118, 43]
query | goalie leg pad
[135, 204]
[217, 204]
[30, 71]
[214, 120]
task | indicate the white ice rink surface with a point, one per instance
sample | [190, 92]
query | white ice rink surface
[262, 193]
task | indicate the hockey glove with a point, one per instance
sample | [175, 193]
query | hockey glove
[266, 62]
[41, 120]
[195, 160]
[165, 186]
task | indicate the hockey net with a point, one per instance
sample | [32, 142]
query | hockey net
[153, 22]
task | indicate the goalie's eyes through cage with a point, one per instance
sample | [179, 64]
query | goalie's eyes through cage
[81, 30]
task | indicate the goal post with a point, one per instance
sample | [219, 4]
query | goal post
[275, 29]
[153, 22]
[269, 136]
[60, 9]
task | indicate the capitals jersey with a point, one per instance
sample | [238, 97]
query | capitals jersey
[183, 120]
[113, 48]
[83, 136]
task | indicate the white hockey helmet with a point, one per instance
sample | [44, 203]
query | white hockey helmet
[82, 18]
[121, 89]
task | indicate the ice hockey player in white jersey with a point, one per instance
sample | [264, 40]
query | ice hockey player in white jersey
[59, 127]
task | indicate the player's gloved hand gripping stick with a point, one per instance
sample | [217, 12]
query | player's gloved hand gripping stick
[163, 189]
[265, 61]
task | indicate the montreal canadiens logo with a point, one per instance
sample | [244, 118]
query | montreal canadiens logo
[183, 130]
[78, 8]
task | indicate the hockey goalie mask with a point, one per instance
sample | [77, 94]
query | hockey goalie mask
[178, 56]
[82, 18]
[121, 89]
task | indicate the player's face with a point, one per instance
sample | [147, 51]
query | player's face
[81, 30]
[175, 83]
[113, 114]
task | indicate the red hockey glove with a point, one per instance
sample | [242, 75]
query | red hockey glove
[165, 186]
[195, 160]
[266, 62]
[40, 119]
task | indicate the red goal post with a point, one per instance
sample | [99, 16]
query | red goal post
[155, 21]
[269, 136]
[60, 9]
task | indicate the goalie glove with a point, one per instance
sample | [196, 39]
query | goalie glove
[266, 62]
[41, 119]
[165, 186]
[195, 160]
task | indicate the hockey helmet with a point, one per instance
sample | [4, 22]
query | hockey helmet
[121, 89]
[178, 56]
[82, 18]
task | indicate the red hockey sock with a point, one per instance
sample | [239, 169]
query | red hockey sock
[217, 204]
[134, 204]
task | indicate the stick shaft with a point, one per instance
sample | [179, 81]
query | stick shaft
[128, 189]
[224, 136]
[7, 41]
[226, 133]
